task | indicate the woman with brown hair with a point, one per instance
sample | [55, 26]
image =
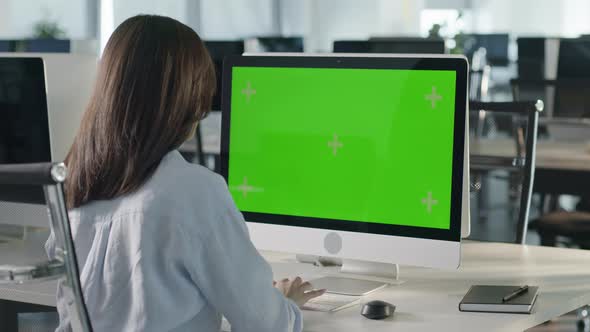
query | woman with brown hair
[160, 242]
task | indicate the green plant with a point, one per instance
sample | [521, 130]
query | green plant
[434, 31]
[48, 29]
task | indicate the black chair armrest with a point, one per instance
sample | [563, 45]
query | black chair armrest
[521, 107]
[32, 174]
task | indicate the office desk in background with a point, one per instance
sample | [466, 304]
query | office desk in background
[428, 299]
[561, 167]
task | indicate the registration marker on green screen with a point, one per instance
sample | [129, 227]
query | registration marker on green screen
[340, 143]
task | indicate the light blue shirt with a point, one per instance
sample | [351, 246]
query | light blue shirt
[173, 256]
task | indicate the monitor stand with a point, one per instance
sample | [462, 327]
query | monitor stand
[356, 277]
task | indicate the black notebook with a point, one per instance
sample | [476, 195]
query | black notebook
[489, 299]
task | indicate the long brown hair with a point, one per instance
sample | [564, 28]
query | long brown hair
[155, 82]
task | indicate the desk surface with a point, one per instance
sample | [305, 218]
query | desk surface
[428, 299]
[550, 154]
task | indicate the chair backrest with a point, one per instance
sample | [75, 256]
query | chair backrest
[525, 135]
[50, 176]
[574, 58]
[479, 82]
[531, 57]
[563, 97]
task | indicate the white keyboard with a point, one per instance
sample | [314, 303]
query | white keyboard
[325, 303]
[331, 302]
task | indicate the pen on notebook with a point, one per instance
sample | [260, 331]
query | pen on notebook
[515, 293]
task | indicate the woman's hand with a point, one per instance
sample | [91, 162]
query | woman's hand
[298, 291]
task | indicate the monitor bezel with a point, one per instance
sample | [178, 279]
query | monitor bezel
[440, 62]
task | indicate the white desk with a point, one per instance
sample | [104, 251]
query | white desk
[561, 167]
[428, 300]
[550, 154]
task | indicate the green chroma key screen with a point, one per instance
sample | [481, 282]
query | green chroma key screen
[366, 145]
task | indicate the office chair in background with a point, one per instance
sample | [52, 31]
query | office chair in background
[565, 97]
[523, 163]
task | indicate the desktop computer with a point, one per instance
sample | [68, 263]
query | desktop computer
[42, 98]
[399, 45]
[355, 157]
[271, 44]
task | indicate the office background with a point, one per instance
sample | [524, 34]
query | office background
[87, 25]
[319, 21]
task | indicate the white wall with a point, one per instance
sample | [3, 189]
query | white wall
[576, 15]
[17, 17]
[329, 20]
[293, 17]
[341, 19]
[114, 12]
[4, 18]
[532, 17]
[235, 19]
[124, 9]
[399, 17]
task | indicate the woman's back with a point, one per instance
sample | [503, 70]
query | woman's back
[160, 242]
[161, 258]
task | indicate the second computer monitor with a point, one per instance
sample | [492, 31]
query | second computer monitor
[391, 45]
[355, 157]
[280, 44]
[39, 116]
[24, 123]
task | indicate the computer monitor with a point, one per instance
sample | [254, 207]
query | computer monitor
[357, 157]
[280, 44]
[574, 58]
[496, 45]
[391, 45]
[218, 50]
[54, 76]
[47, 45]
[24, 124]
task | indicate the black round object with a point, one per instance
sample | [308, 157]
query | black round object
[377, 310]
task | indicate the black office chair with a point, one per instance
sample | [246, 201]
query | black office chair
[567, 98]
[479, 82]
[50, 176]
[525, 117]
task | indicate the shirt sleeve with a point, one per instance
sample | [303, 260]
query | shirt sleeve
[234, 278]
